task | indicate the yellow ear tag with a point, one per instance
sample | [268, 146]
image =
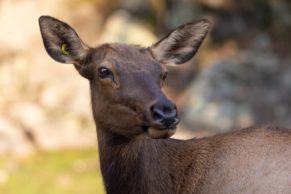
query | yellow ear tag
[64, 49]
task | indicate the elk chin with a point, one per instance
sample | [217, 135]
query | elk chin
[159, 134]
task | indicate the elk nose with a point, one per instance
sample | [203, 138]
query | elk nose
[165, 115]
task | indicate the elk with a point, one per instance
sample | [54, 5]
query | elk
[134, 121]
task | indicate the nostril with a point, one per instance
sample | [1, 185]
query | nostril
[172, 113]
[164, 115]
[157, 114]
[167, 109]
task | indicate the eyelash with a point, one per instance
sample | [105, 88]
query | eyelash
[164, 76]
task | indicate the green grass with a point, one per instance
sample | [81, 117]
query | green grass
[62, 172]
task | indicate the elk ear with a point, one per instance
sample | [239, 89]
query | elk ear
[61, 42]
[181, 44]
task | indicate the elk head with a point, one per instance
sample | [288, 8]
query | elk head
[126, 80]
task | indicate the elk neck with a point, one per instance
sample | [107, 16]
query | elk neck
[144, 165]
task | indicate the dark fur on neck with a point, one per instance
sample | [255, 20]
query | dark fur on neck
[143, 165]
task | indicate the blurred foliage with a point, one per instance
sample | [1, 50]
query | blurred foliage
[71, 172]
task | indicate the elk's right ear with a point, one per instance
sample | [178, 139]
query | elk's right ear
[181, 44]
[61, 42]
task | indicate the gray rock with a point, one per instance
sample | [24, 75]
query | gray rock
[252, 89]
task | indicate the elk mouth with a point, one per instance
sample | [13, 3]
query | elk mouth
[158, 133]
[145, 128]
[157, 128]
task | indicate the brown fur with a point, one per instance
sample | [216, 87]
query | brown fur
[253, 160]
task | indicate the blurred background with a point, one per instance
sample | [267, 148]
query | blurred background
[240, 77]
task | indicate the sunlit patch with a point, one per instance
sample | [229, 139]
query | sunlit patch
[158, 134]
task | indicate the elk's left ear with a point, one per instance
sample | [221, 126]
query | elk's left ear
[181, 44]
[61, 41]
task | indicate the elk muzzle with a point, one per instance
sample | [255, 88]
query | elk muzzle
[163, 120]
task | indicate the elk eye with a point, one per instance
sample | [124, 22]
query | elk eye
[104, 72]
